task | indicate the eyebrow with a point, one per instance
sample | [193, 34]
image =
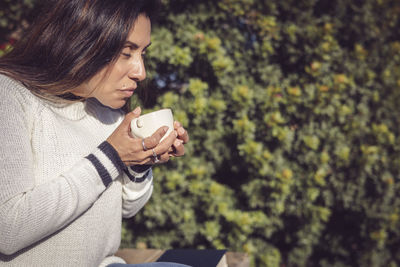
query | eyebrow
[134, 46]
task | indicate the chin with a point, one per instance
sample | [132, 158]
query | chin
[118, 106]
[115, 104]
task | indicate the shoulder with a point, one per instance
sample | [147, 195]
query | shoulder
[13, 92]
[17, 103]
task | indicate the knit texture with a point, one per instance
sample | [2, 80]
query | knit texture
[58, 207]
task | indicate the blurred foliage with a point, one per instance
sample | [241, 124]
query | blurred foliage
[14, 14]
[292, 109]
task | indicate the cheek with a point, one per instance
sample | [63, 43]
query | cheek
[119, 72]
[111, 80]
[96, 83]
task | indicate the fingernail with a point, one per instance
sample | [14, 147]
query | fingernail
[136, 111]
[181, 131]
[177, 142]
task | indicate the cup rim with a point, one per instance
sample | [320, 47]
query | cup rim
[155, 111]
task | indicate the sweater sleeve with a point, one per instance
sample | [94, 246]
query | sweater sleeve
[137, 183]
[28, 211]
[137, 188]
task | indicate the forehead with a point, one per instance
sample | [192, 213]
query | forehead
[141, 31]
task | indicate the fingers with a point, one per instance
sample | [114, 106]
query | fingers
[140, 151]
[120, 139]
[179, 148]
[144, 154]
[157, 152]
[182, 133]
[130, 116]
[154, 139]
[163, 158]
[182, 138]
[165, 144]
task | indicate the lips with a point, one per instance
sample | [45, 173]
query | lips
[128, 92]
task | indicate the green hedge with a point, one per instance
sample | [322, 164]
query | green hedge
[292, 110]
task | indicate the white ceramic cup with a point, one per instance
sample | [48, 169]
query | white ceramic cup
[147, 124]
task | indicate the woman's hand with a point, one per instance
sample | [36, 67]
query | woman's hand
[131, 149]
[178, 148]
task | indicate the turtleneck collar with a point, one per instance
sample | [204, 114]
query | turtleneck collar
[72, 111]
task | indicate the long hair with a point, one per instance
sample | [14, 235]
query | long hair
[70, 42]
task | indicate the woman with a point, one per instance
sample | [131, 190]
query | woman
[69, 169]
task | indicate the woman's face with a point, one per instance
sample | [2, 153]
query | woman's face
[113, 85]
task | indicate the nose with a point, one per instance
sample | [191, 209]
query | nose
[137, 70]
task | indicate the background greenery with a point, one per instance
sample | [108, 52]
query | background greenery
[292, 110]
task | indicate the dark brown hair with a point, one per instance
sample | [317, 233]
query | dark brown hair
[71, 41]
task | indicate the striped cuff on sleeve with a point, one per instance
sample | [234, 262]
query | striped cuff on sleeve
[104, 174]
[112, 154]
[140, 168]
[107, 162]
[136, 173]
[137, 177]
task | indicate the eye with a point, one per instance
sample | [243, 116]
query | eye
[127, 55]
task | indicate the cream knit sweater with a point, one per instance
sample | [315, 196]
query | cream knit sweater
[63, 190]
